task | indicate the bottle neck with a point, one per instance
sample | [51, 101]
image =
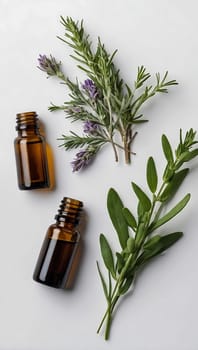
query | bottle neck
[27, 123]
[69, 212]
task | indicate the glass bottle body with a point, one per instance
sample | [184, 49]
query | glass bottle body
[30, 154]
[56, 256]
[58, 252]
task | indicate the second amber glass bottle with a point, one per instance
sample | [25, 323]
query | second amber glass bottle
[59, 247]
[30, 153]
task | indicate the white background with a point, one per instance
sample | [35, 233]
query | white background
[162, 312]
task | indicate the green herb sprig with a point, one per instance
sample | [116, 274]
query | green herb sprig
[107, 106]
[138, 240]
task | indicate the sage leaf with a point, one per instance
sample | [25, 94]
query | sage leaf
[139, 248]
[115, 209]
[140, 232]
[151, 175]
[167, 149]
[140, 211]
[107, 255]
[168, 173]
[130, 219]
[143, 198]
[173, 185]
[151, 242]
[125, 287]
[161, 245]
[130, 244]
[120, 262]
[168, 240]
[158, 246]
[190, 155]
[102, 281]
[173, 212]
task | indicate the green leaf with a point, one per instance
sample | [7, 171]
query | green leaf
[151, 175]
[140, 233]
[107, 255]
[140, 211]
[162, 243]
[115, 209]
[143, 198]
[190, 155]
[120, 262]
[173, 185]
[102, 281]
[142, 76]
[75, 141]
[170, 239]
[167, 149]
[130, 219]
[140, 121]
[173, 212]
[130, 244]
[127, 284]
[168, 173]
[151, 242]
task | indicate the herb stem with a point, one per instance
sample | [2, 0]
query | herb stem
[114, 298]
[115, 150]
[108, 308]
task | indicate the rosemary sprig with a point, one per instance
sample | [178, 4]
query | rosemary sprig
[103, 98]
[138, 240]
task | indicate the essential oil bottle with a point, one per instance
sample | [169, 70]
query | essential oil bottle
[30, 153]
[60, 245]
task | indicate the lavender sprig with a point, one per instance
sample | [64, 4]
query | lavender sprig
[83, 159]
[103, 97]
[50, 66]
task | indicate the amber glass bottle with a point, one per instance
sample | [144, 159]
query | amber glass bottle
[30, 153]
[59, 246]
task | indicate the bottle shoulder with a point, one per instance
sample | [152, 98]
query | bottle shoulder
[23, 139]
[65, 233]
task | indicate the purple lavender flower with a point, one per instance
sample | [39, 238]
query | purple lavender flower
[90, 88]
[83, 158]
[76, 110]
[49, 65]
[90, 127]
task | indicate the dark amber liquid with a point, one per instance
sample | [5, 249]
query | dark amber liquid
[54, 262]
[32, 169]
